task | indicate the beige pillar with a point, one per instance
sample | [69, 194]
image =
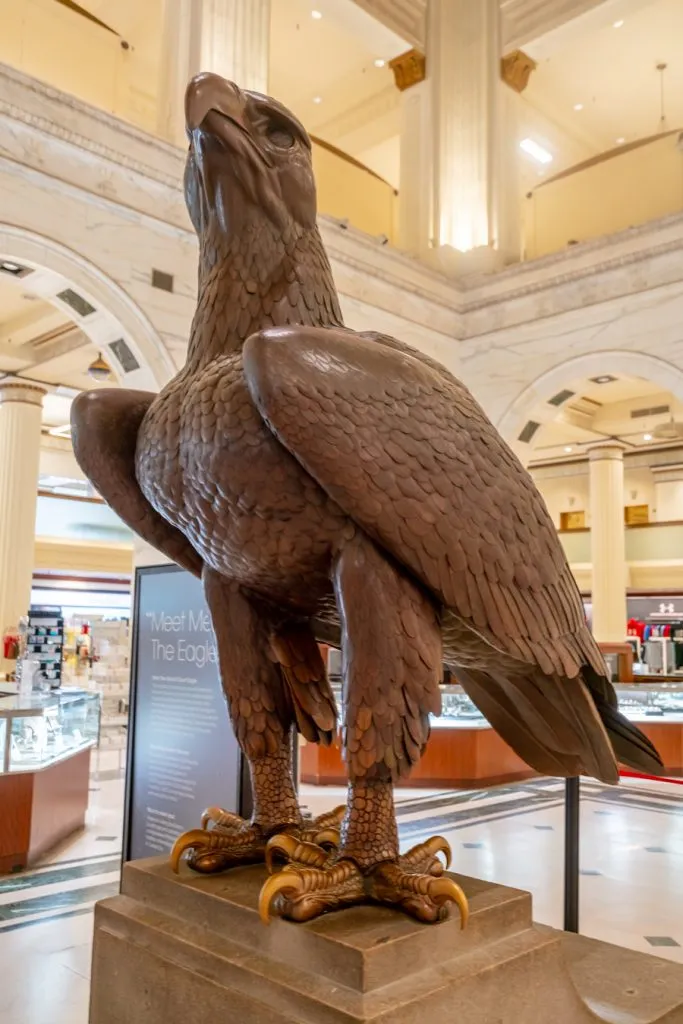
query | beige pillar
[228, 37]
[668, 493]
[608, 542]
[20, 421]
[474, 134]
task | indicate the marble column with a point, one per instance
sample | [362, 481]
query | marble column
[668, 493]
[20, 424]
[414, 197]
[608, 542]
[229, 37]
[472, 180]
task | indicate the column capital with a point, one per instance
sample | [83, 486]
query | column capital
[26, 392]
[607, 450]
[516, 68]
[410, 68]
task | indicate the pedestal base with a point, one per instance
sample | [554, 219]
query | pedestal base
[172, 949]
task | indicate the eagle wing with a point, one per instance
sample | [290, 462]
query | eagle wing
[403, 447]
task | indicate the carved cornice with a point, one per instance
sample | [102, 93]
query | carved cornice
[409, 69]
[404, 17]
[516, 68]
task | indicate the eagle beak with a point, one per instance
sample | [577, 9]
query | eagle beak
[209, 93]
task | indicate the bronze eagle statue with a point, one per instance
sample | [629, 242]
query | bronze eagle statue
[335, 486]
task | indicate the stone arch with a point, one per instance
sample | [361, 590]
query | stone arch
[109, 315]
[532, 405]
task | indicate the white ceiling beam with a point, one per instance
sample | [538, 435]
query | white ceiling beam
[523, 20]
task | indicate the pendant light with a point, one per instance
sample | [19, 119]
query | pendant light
[99, 369]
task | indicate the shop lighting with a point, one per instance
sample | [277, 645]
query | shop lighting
[99, 369]
[379, 63]
[578, 106]
[621, 140]
[316, 15]
[537, 152]
[317, 99]
[568, 449]
[647, 437]
[618, 24]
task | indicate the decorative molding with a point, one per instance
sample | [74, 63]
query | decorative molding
[516, 68]
[13, 390]
[404, 17]
[409, 69]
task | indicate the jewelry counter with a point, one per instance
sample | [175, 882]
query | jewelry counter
[45, 744]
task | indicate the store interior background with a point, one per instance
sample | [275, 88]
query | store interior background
[570, 335]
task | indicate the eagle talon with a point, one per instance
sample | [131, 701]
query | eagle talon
[423, 896]
[221, 818]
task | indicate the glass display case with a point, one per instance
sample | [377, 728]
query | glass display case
[40, 729]
[638, 701]
[641, 702]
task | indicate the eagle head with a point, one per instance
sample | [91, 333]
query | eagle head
[248, 158]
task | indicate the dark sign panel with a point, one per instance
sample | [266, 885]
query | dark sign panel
[182, 752]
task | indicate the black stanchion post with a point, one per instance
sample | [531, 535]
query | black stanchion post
[572, 800]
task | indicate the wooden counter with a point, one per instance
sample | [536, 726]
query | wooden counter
[471, 758]
[39, 809]
[464, 758]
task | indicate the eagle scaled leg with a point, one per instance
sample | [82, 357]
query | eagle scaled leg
[262, 716]
[391, 643]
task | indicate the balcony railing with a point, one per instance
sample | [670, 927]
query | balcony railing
[623, 188]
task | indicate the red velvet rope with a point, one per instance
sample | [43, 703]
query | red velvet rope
[651, 778]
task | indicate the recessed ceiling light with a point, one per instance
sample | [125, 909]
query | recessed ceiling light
[536, 151]
[316, 15]
[647, 437]
[379, 63]
[618, 24]
[317, 99]
[578, 106]
[568, 449]
[620, 141]
[605, 378]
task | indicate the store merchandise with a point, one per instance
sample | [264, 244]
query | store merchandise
[45, 642]
[397, 477]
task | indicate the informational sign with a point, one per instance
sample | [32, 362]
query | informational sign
[182, 753]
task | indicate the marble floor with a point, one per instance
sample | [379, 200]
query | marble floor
[631, 875]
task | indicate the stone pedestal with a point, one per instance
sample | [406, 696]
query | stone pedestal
[172, 949]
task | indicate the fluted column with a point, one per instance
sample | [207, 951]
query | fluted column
[608, 542]
[20, 419]
[228, 37]
[668, 493]
[475, 209]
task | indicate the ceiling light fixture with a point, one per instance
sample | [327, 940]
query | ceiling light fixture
[606, 378]
[647, 437]
[578, 106]
[568, 449]
[620, 141]
[99, 369]
[537, 152]
[317, 99]
[316, 15]
[379, 63]
[618, 24]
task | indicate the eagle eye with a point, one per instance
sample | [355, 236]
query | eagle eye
[280, 136]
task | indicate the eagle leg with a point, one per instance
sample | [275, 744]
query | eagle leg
[262, 716]
[391, 645]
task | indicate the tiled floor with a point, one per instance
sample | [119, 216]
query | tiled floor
[631, 884]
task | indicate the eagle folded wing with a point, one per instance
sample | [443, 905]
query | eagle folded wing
[410, 456]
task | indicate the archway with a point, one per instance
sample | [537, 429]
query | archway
[100, 307]
[542, 400]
